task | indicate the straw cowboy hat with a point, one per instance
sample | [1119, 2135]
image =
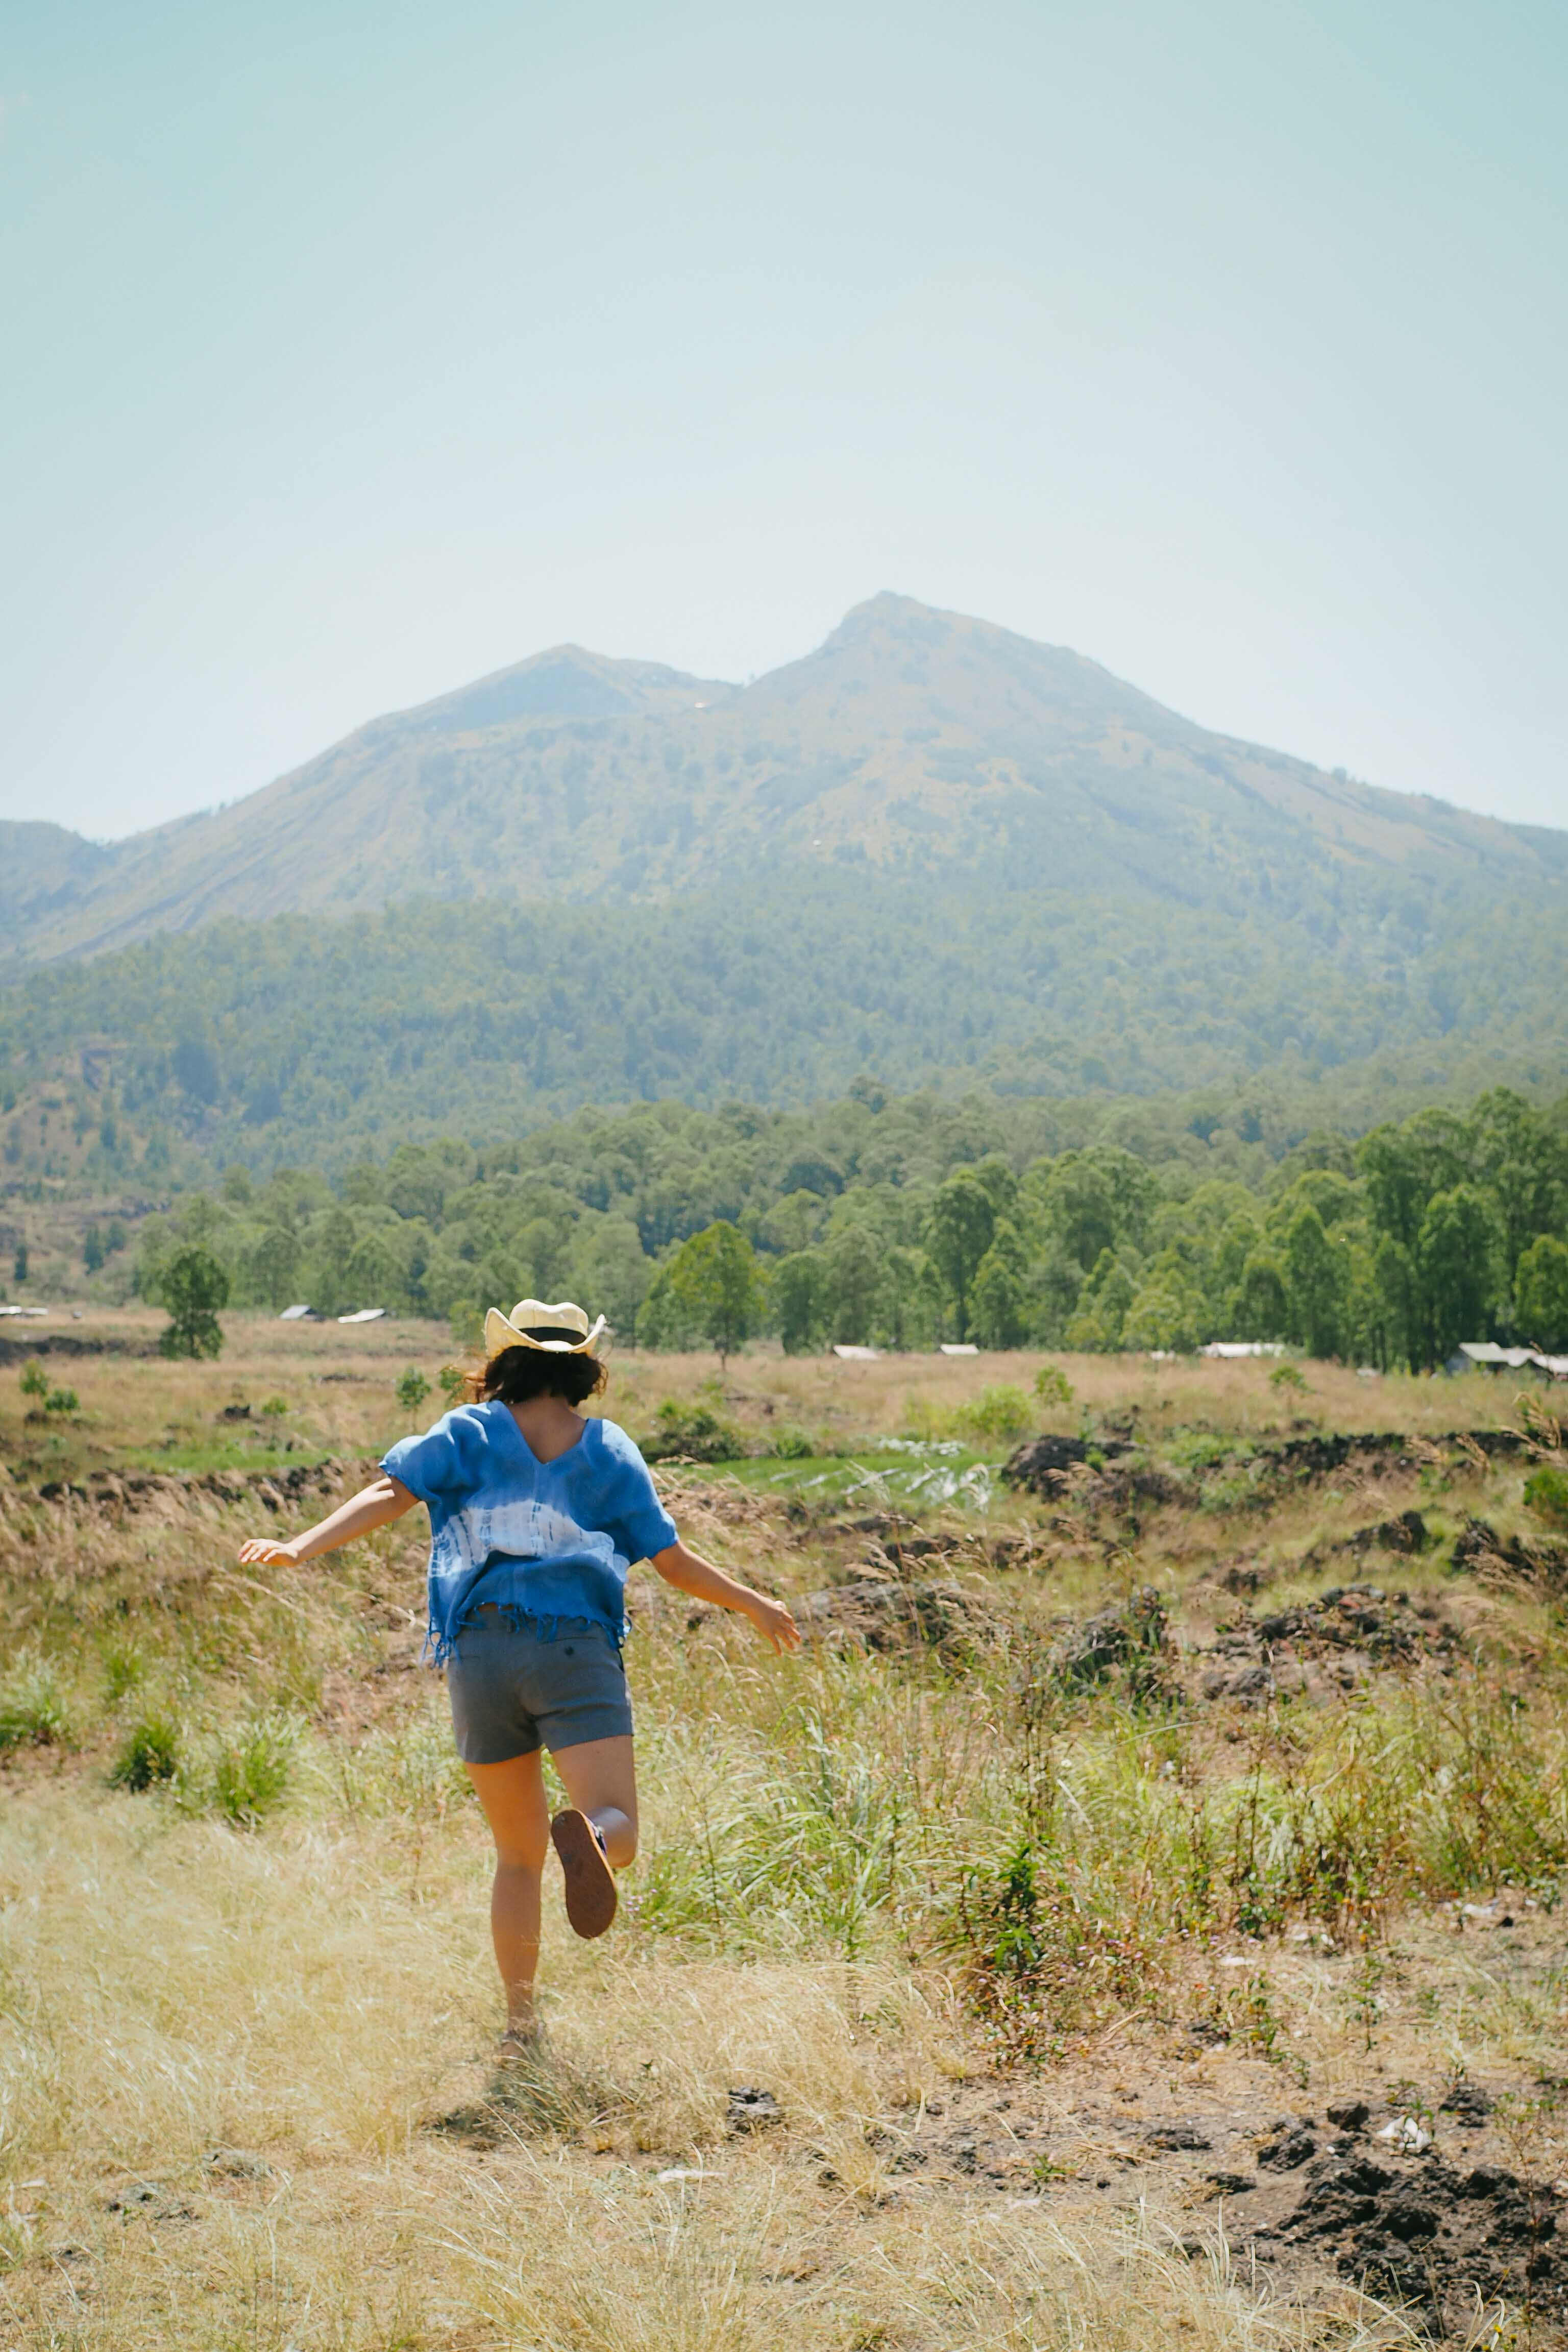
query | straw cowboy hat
[562, 1330]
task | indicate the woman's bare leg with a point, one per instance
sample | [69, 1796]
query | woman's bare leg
[512, 1796]
[601, 1780]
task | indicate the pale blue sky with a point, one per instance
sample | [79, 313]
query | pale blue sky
[353, 351]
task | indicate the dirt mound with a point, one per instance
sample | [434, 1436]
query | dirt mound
[1432, 2236]
[872, 1615]
[117, 1491]
[1131, 1638]
[1479, 1551]
[1353, 1631]
[71, 1343]
[1404, 1535]
[1326, 1450]
[1042, 1466]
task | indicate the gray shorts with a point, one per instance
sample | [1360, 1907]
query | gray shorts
[512, 1693]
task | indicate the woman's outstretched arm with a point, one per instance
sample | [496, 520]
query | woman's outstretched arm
[376, 1505]
[687, 1573]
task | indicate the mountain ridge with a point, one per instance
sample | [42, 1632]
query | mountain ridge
[912, 740]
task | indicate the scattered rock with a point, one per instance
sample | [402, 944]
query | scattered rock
[235, 1413]
[149, 2198]
[1406, 2134]
[237, 2164]
[1405, 1534]
[1230, 2184]
[1171, 2138]
[1469, 2105]
[1348, 2114]
[135, 2196]
[1297, 2148]
[750, 2110]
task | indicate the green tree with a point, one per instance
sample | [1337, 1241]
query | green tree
[1000, 1295]
[1394, 1319]
[959, 1230]
[92, 1250]
[191, 1287]
[1096, 1326]
[714, 1284]
[796, 1293]
[274, 1268]
[1541, 1295]
[1092, 1201]
[1514, 1154]
[1259, 1307]
[332, 1246]
[851, 1284]
[1404, 1166]
[911, 1313]
[1458, 1252]
[1314, 1286]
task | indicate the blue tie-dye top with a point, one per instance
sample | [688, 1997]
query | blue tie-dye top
[538, 1541]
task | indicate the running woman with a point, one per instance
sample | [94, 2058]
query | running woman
[536, 1514]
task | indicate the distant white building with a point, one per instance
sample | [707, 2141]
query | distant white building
[1227, 1348]
[1486, 1356]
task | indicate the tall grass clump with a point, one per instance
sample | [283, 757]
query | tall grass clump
[250, 1770]
[151, 1753]
[1122, 1850]
[33, 1710]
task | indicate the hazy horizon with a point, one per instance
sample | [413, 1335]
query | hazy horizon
[354, 355]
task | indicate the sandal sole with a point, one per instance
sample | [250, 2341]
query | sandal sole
[590, 1882]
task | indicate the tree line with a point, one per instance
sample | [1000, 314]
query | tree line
[902, 1222]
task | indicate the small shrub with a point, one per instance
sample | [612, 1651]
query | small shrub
[62, 1401]
[149, 1754]
[1052, 1385]
[33, 1708]
[792, 1444]
[1546, 1493]
[275, 1408]
[995, 1415]
[1287, 1380]
[192, 1286]
[35, 1379]
[124, 1670]
[695, 1432]
[412, 1389]
[449, 1380]
[251, 1769]
[1038, 1958]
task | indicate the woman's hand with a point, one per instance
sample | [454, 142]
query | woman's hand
[262, 1553]
[774, 1623]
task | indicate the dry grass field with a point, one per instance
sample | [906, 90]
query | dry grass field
[1139, 1904]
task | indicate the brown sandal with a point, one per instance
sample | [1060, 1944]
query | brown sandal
[590, 1882]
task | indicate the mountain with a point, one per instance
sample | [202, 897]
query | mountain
[912, 739]
[932, 851]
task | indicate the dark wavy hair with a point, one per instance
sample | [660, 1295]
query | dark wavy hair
[518, 1373]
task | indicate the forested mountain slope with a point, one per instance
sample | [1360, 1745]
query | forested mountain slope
[933, 852]
[920, 743]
